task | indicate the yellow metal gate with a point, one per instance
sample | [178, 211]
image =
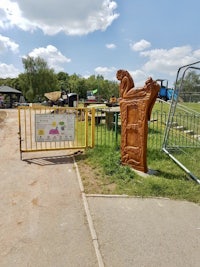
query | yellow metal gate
[55, 128]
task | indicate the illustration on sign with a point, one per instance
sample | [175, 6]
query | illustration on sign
[54, 127]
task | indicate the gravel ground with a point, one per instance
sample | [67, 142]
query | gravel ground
[42, 217]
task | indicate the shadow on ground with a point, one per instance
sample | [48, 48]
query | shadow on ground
[53, 160]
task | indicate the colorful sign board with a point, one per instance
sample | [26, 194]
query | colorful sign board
[54, 127]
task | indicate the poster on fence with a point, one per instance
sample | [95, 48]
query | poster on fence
[54, 127]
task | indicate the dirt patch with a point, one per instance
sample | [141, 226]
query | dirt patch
[3, 115]
[94, 181]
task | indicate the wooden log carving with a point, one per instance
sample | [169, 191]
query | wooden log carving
[135, 106]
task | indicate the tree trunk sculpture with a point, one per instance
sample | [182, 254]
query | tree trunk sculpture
[135, 106]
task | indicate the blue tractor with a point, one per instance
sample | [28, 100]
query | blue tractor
[165, 93]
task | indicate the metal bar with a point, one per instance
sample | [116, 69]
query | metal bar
[182, 166]
[30, 127]
[93, 127]
[20, 133]
[116, 127]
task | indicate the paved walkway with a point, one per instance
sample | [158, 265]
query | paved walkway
[147, 232]
[46, 220]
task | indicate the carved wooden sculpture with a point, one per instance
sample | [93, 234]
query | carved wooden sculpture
[135, 106]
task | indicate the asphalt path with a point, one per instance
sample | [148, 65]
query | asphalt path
[146, 232]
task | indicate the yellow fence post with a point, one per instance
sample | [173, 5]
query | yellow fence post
[93, 126]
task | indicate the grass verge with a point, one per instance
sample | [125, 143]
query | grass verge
[102, 173]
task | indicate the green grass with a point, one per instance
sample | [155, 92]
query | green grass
[161, 107]
[193, 106]
[102, 172]
[170, 181]
[164, 107]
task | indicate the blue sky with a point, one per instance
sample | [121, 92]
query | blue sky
[89, 37]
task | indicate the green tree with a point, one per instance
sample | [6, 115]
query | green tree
[63, 81]
[37, 79]
[91, 83]
[23, 83]
[73, 83]
[82, 88]
[189, 87]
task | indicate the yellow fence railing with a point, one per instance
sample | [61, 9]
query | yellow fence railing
[55, 128]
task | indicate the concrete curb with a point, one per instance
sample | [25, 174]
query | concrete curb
[89, 219]
[127, 196]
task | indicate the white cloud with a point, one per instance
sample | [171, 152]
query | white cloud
[8, 71]
[106, 72]
[111, 46]
[168, 61]
[11, 15]
[196, 54]
[141, 45]
[7, 44]
[73, 17]
[164, 63]
[139, 77]
[54, 58]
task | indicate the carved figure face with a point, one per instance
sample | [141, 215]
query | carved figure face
[120, 74]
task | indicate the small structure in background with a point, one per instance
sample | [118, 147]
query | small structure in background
[9, 96]
[135, 106]
[91, 96]
[1, 101]
[72, 100]
[58, 98]
[54, 98]
[113, 102]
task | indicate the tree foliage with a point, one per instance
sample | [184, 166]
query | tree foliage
[38, 79]
[189, 87]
